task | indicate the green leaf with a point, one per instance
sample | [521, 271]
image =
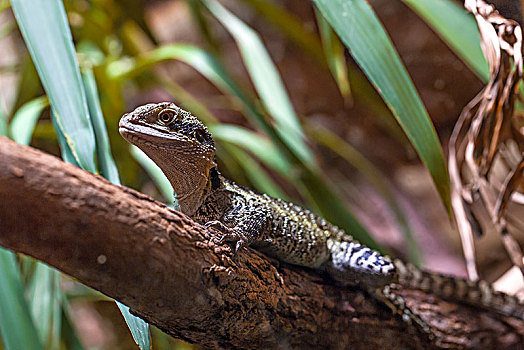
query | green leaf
[375, 178]
[139, 328]
[45, 298]
[24, 121]
[457, 28]
[252, 142]
[290, 25]
[155, 172]
[320, 195]
[334, 52]
[200, 60]
[106, 163]
[267, 81]
[256, 174]
[358, 27]
[46, 32]
[16, 325]
[66, 152]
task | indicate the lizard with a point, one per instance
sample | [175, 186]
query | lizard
[184, 149]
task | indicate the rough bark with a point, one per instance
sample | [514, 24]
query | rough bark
[168, 270]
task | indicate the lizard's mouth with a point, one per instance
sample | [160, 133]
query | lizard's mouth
[143, 134]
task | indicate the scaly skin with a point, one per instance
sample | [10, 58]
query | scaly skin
[184, 149]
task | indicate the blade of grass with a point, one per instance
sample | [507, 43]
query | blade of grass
[200, 60]
[28, 86]
[334, 53]
[276, 101]
[266, 80]
[46, 32]
[16, 325]
[65, 150]
[291, 26]
[24, 121]
[43, 287]
[138, 327]
[106, 164]
[457, 28]
[256, 144]
[320, 195]
[360, 30]
[255, 173]
[195, 6]
[374, 176]
[44, 294]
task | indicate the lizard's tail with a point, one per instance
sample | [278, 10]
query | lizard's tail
[475, 293]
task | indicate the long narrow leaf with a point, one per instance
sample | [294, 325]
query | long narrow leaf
[374, 176]
[24, 121]
[46, 32]
[45, 29]
[290, 25]
[65, 149]
[252, 142]
[457, 28]
[106, 164]
[200, 60]
[45, 299]
[267, 81]
[334, 53]
[43, 287]
[16, 325]
[360, 30]
[138, 327]
[256, 174]
[320, 195]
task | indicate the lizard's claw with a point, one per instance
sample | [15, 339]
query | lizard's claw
[228, 234]
[239, 245]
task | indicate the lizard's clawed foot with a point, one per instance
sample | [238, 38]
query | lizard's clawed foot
[228, 234]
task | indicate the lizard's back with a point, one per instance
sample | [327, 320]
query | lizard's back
[296, 235]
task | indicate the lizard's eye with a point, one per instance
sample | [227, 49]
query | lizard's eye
[200, 135]
[166, 117]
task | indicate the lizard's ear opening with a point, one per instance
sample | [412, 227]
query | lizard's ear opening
[215, 178]
[200, 135]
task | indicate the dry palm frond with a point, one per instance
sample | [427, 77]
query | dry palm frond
[487, 145]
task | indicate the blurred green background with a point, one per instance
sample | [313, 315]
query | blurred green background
[308, 101]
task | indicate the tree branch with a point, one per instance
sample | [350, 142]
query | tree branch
[165, 267]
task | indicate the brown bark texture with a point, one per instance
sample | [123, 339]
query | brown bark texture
[167, 269]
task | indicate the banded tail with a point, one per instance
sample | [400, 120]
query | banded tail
[475, 293]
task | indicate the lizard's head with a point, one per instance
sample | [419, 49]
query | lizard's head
[180, 145]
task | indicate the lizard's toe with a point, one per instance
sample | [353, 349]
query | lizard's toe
[241, 243]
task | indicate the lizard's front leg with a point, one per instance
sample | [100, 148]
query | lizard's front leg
[243, 225]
